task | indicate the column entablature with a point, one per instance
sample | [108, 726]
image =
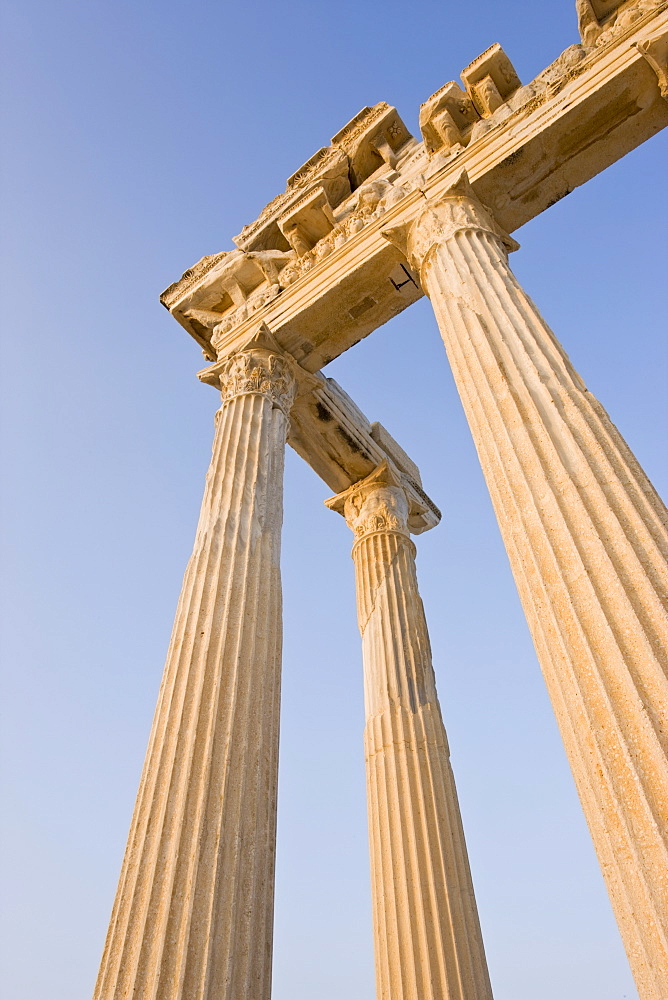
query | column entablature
[547, 137]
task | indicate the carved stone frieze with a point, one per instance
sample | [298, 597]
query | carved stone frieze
[569, 64]
[256, 234]
[244, 283]
[219, 325]
[307, 221]
[350, 134]
[327, 162]
[374, 137]
[588, 21]
[602, 21]
[373, 199]
[328, 169]
[448, 122]
[554, 76]
[452, 118]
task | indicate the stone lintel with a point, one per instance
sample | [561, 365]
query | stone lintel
[338, 442]
[582, 114]
[223, 285]
[336, 439]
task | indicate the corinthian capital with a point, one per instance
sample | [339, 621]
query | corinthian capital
[261, 368]
[457, 209]
[377, 503]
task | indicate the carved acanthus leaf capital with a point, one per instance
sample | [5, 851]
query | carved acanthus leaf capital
[259, 368]
[456, 210]
[377, 503]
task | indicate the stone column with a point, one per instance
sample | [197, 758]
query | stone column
[587, 539]
[193, 913]
[427, 939]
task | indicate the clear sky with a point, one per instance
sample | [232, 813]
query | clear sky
[138, 137]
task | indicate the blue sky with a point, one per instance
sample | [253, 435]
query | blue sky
[138, 137]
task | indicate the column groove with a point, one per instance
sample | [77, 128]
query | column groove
[427, 938]
[193, 914]
[587, 539]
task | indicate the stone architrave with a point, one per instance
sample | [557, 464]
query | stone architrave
[193, 916]
[587, 539]
[427, 939]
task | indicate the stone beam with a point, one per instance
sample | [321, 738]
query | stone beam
[335, 438]
[594, 104]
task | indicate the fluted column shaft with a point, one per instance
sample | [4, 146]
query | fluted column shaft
[193, 913]
[587, 539]
[427, 939]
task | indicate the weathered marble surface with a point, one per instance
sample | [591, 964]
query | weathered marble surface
[587, 539]
[523, 146]
[193, 915]
[427, 939]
